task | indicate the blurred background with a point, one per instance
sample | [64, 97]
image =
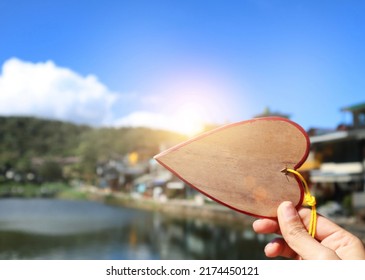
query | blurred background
[90, 91]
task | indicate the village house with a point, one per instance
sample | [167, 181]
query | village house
[336, 163]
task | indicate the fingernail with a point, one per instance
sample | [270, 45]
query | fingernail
[269, 245]
[288, 210]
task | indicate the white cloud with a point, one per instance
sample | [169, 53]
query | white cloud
[47, 90]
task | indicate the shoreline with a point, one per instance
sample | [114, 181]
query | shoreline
[189, 209]
[178, 208]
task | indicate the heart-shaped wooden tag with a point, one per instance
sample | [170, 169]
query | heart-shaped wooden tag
[240, 165]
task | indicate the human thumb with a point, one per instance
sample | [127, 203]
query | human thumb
[296, 236]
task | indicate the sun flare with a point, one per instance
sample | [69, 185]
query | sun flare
[188, 102]
[189, 118]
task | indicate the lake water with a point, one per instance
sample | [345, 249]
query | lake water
[49, 229]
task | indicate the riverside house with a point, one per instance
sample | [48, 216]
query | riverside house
[336, 163]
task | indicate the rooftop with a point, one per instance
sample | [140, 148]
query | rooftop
[354, 108]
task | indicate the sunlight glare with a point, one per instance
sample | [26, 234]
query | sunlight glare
[189, 118]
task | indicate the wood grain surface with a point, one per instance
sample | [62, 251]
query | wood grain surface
[239, 165]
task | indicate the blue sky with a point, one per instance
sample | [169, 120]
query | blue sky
[176, 64]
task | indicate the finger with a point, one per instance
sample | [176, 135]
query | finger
[324, 227]
[265, 226]
[345, 244]
[297, 237]
[279, 248]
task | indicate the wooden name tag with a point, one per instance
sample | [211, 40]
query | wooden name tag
[240, 165]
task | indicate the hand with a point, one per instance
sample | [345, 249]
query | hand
[330, 242]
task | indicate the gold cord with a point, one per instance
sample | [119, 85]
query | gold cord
[309, 200]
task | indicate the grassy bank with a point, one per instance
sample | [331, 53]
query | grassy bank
[72, 194]
[32, 190]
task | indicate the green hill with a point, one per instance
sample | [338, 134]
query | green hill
[33, 144]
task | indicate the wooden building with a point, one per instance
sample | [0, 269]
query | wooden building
[336, 162]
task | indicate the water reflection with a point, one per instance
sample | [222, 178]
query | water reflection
[55, 229]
